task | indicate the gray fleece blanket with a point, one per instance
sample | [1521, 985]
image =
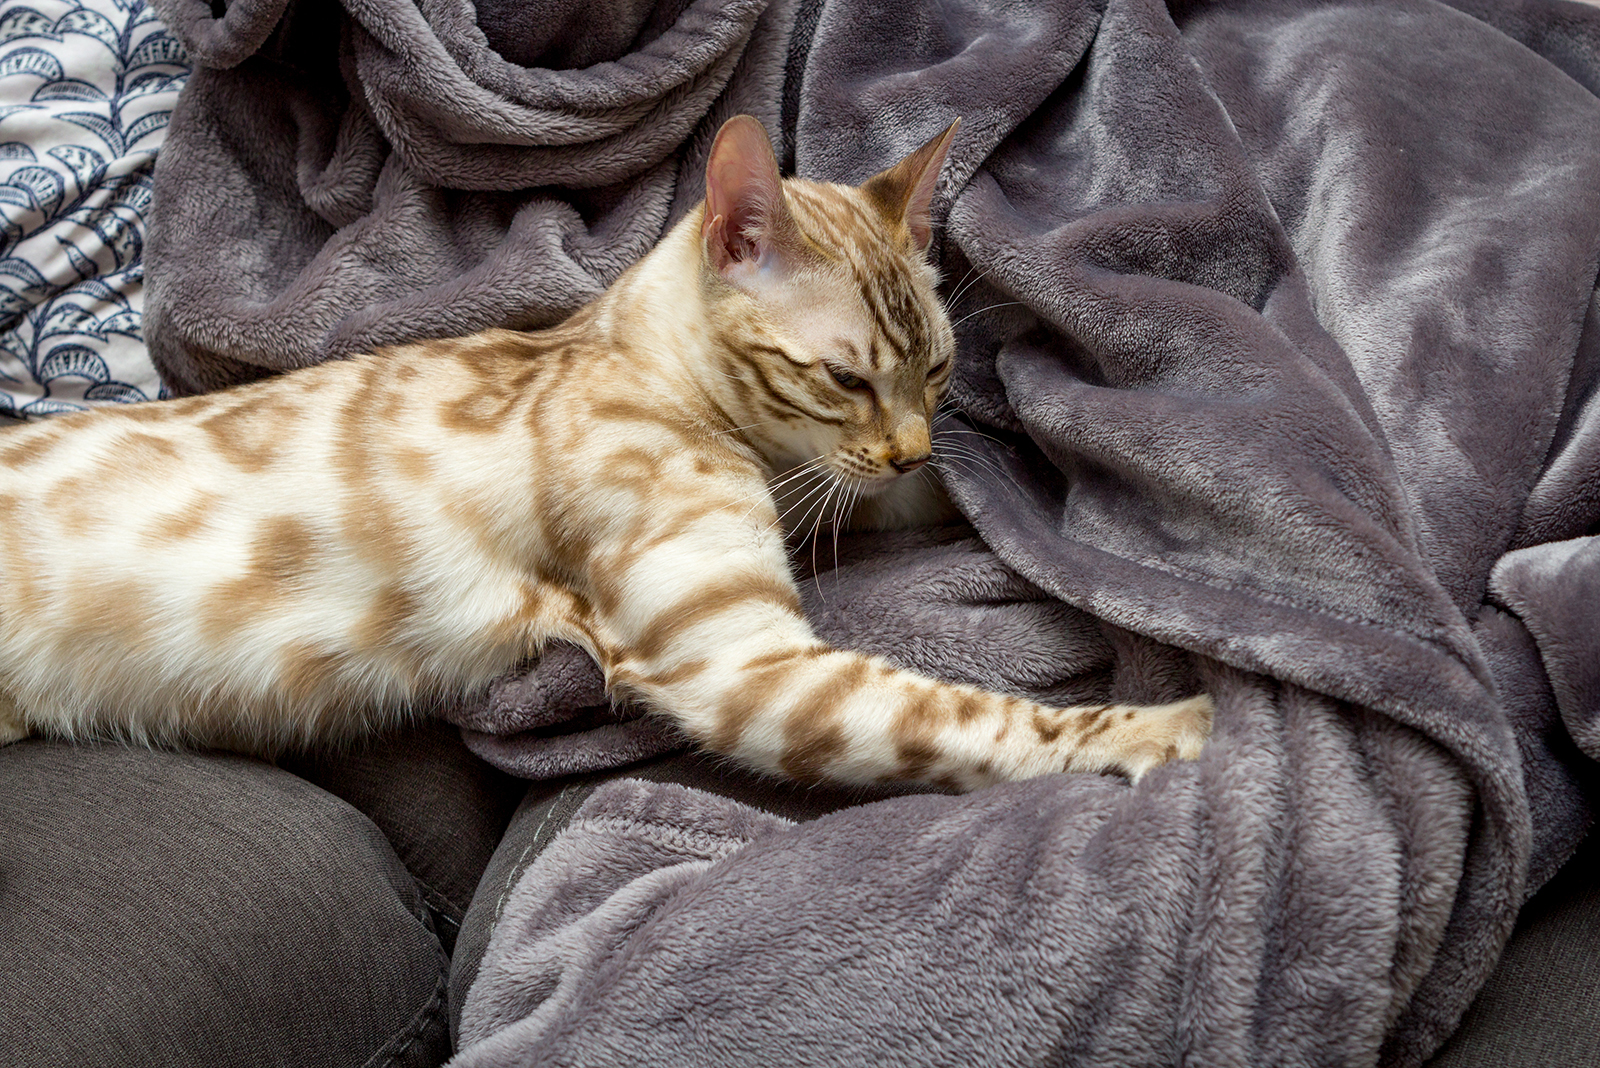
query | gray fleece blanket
[1279, 352]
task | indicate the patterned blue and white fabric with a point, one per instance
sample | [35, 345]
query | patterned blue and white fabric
[86, 87]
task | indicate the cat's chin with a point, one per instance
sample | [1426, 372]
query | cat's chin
[866, 487]
[917, 499]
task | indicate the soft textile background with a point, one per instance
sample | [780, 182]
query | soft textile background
[1284, 339]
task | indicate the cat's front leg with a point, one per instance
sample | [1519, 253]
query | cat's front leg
[812, 712]
[706, 627]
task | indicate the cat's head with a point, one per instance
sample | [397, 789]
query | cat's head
[833, 346]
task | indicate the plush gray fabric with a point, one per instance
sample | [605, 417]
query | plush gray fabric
[553, 718]
[1554, 589]
[1281, 339]
[548, 807]
[397, 178]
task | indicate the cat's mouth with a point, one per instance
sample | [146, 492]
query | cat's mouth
[874, 486]
[861, 481]
[823, 492]
[855, 471]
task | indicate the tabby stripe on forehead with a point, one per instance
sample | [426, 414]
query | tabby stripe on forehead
[867, 220]
[884, 315]
[832, 236]
[816, 218]
[821, 247]
[778, 395]
[880, 315]
[838, 237]
[911, 317]
[825, 205]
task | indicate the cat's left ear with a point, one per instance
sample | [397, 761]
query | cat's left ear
[746, 225]
[904, 192]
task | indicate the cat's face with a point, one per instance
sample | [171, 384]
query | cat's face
[835, 347]
[846, 357]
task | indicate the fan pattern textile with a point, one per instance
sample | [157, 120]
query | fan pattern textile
[86, 87]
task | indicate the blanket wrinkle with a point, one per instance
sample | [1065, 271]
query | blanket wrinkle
[1557, 778]
[1552, 588]
[224, 42]
[1280, 372]
[1565, 502]
[417, 196]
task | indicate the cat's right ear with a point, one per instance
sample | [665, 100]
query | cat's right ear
[904, 192]
[747, 225]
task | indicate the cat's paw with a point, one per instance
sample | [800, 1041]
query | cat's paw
[1144, 737]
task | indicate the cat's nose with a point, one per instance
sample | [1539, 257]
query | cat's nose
[909, 444]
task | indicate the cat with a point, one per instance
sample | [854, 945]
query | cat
[313, 556]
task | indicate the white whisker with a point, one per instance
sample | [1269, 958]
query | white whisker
[747, 426]
[845, 502]
[813, 536]
[964, 285]
[962, 428]
[769, 492]
[980, 311]
[972, 464]
[807, 499]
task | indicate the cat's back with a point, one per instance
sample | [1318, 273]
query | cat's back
[112, 475]
[287, 441]
[280, 541]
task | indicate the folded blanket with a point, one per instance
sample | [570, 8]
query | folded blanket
[1279, 344]
[389, 174]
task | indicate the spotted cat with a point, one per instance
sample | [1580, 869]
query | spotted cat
[326, 552]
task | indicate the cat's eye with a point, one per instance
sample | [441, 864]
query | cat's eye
[939, 368]
[845, 378]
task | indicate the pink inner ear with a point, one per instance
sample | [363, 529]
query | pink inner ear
[744, 195]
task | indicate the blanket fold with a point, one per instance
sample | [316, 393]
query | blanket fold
[1278, 356]
[1553, 589]
[400, 179]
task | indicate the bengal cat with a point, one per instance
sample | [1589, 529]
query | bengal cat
[319, 554]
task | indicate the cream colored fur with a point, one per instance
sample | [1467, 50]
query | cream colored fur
[321, 554]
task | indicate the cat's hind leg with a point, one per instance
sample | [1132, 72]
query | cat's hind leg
[12, 729]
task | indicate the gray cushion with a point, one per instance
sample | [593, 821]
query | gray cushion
[1541, 1006]
[204, 909]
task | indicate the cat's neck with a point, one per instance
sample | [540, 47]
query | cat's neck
[657, 303]
[656, 316]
